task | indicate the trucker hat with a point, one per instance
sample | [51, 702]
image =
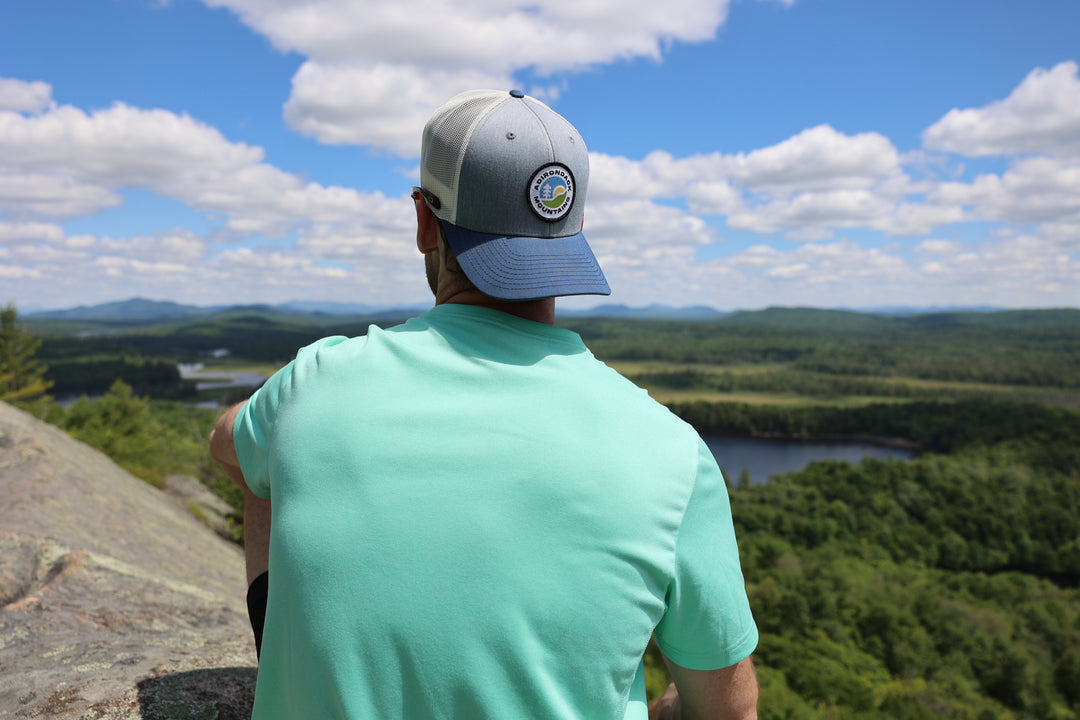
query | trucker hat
[507, 176]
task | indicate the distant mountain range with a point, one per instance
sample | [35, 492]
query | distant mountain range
[141, 310]
[134, 309]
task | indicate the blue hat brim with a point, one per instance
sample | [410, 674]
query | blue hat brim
[527, 268]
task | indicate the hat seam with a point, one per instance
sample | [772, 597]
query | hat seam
[544, 128]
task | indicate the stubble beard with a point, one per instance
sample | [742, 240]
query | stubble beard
[431, 269]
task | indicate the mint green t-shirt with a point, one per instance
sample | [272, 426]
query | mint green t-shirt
[475, 518]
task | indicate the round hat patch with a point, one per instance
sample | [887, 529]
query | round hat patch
[551, 192]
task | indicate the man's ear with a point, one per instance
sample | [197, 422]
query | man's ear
[427, 227]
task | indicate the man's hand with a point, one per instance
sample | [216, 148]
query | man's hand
[729, 693]
[665, 707]
[222, 448]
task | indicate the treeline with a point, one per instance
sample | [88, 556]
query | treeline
[791, 381]
[982, 511]
[146, 358]
[155, 377]
[1014, 348]
[945, 587]
[933, 426]
[245, 334]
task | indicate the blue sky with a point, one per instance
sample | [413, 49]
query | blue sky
[744, 154]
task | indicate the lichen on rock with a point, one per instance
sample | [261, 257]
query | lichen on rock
[115, 600]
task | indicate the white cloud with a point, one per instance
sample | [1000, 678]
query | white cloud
[647, 250]
[1064, 235]
[29, 233]
[796, 270]
[938, 247]
[634, 232]
[22, 96]
[381, 105]
[618, 178]
[376, 70]
[1042, 115]
[176, 245]
[1033, 189]
[756, 256]
[1025, 270]
[120, 145]
[918, 218]
[66, 163]
[836, 208]
[468, 34]
[814, 215]
[819, 158]
[718, 197]
[1039, 125]
[276, 274]
[837, 273]
[53, 195]
[816, 159]
[14, 272]
[807, 185]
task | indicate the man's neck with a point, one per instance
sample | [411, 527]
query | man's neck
[542, 311]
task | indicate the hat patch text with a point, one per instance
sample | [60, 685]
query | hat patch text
[551, 192]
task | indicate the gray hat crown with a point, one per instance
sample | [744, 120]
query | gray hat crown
[482, 149]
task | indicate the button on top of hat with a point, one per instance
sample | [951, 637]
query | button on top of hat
[517, 94]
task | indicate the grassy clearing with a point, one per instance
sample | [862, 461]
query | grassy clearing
[1062, 397]
[793, 397]
[631, 368]
[226, 367]
[780, 399]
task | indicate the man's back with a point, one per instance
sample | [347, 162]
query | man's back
[475, 518]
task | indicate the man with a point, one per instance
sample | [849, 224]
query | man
[472, 517]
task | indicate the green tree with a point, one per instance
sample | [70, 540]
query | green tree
[121, 425]
[21, 376]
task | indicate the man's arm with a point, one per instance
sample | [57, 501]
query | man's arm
[222, 448]
[256, 510]
[729, 693]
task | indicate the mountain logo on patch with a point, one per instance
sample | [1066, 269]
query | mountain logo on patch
[551, 192]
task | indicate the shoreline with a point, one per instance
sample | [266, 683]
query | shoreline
[887, 442]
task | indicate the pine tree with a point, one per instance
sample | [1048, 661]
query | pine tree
[21, 376]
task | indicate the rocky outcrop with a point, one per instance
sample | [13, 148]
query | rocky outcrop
[115, 600]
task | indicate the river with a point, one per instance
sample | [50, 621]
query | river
[764, 457]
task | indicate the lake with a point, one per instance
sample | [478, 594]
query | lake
[218, 378]
[766, 456]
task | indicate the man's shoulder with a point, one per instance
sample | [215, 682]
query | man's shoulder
[627, 398]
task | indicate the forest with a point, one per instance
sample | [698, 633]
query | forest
[944, 586]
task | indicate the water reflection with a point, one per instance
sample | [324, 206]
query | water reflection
[218, 378]
[764, 457]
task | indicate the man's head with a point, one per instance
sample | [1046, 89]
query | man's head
[506, 177]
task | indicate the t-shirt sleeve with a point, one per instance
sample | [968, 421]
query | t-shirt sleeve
[254, 427]
[708, 623]
[252, 431]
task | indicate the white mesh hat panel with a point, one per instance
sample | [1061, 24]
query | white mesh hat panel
[446, 136]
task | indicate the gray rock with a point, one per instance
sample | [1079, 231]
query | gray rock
[196, 497]
[115, 600]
